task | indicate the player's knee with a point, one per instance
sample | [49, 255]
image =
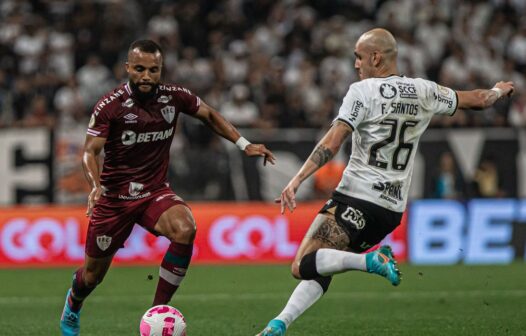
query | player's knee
[295, 270]
[184, 230]
[187, 231]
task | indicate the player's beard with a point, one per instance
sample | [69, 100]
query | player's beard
[141, 95]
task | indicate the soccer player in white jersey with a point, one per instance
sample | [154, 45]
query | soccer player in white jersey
[386, 113]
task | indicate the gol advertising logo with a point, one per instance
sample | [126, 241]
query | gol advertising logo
[251, 237]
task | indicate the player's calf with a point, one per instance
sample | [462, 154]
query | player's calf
[70, 318]
[172, 271]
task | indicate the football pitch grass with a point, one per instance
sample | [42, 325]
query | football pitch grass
[239, 300]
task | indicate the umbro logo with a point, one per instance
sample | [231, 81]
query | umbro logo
[130, 118]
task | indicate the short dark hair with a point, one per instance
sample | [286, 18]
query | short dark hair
[148, 46]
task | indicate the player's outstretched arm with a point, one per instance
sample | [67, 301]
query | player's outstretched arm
[90, 164]
[224, 128]
[480, 98]
[324, 151]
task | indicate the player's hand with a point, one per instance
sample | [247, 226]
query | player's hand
[93, 198]
[260, 150]
[506, 87]
[288, 196]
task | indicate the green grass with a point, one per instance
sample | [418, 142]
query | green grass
[239, 300]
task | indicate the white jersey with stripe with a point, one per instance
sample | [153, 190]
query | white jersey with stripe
[388, 116]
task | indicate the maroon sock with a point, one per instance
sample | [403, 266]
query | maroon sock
[172, 271]
[79, 290]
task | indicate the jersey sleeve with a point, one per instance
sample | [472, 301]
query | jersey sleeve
[352, 111]
[99, 124]
[440, 99]
[187, 101]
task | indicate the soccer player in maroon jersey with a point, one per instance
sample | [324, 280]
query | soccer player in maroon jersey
[135, 125]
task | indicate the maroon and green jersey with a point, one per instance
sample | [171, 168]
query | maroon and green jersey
[138, 137]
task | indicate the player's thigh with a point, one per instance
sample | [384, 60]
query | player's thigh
[324, 232]
[168, 215]
[110, 225]
[177, 224]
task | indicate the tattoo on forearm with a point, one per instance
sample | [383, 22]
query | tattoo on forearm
[321, 155]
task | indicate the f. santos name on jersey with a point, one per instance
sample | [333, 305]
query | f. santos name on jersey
[130, 137]
[400, 108]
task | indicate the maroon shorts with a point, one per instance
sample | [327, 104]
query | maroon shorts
[112, 220]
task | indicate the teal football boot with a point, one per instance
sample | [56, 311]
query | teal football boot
[274, 328]
[69, 321]
[382, 262]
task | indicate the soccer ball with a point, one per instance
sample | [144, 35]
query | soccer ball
[163, 320]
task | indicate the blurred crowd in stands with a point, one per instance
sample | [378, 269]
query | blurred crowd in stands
[261, 63]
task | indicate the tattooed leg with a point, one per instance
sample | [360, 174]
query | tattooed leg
[323, 251]
[325, 230]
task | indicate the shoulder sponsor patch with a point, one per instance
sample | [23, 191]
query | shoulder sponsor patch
[407, 90]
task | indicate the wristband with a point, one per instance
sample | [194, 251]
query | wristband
[497, 91]
[242, 143]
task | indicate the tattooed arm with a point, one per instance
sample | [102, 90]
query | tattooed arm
[324, 151]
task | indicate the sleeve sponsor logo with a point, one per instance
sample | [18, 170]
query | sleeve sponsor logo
[387, 91]
[355, 110]
[443, 100]
[108, 100]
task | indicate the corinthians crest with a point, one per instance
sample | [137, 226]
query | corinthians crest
[168, 113]
[103, 242]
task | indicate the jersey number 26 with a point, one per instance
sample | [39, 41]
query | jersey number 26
[407, 146]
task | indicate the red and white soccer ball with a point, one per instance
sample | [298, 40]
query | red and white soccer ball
[163, 320]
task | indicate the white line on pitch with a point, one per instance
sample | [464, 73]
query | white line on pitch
[401, 295]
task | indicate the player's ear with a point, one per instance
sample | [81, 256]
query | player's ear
[377, 58]
[127, 67]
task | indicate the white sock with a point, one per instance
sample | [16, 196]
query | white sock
[305, 295]
[329, 261]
